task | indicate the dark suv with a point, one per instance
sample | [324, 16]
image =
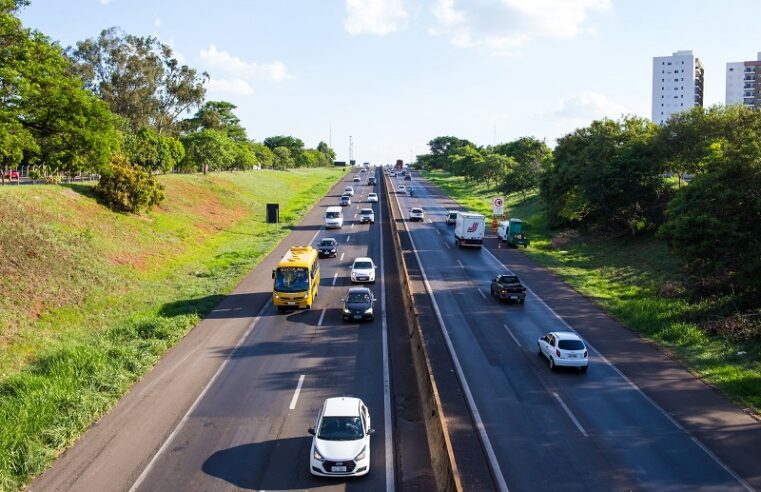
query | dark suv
[508, 287]
[358, 304]
[327, 247]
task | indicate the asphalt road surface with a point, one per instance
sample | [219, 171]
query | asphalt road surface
[548, 430]
[229, 407]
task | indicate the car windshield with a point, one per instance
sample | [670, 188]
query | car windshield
[417, 210]
[508, 279]
[356, 297]
[571, 344]
[344, 198]
[291, 279]
[340, 429]
[332, 215]
[327, 242]
[362, 265]
[366, 211]
[453, 215]
[372, 195]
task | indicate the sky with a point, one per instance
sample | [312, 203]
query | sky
[390, 75]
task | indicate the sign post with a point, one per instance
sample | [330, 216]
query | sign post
[498, 206]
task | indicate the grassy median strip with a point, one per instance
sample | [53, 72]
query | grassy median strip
[92, 299]
[626, 277]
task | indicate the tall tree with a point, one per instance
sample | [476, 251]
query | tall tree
[139, 78]
[294, 145]
[283, 158]
[208, 150]
[325, 149]
[217, 115]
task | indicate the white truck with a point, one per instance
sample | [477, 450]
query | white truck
[469, 230]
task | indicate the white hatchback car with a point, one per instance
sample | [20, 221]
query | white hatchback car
[341, 442]
[349, 190]
[372, 198]
[564, 349]
[363, 270]
[416, 213]
[402, 189]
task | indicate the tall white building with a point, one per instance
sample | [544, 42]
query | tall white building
[677, 84]
[744, 83]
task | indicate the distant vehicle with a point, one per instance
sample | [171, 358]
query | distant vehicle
[344, 201]
[364, 169]
[508, 287]
[408, 177]
[349, 190]
[366, 215]
[341, 443]
[451, 217]
[416, 213]
[296, 278]
[513, 233]
[358, 304]
[402, 189]
[392, 174]
[327, 247]
[363, 270]
[334, 218]
[469, 230]
[371, 180]
[356, 179]
[564, 349]
[372, 197]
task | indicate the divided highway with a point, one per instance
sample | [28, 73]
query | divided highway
[546, 430]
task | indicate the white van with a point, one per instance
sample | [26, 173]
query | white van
[334, 218]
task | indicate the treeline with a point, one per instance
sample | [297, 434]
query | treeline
[695, 182]
[120, 98]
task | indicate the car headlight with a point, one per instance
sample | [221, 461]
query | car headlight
[274, 294]
[362, 455]
[306, 295]
[369, 310]
[319, 457]
[346, 311]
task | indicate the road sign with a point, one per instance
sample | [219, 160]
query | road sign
[498, 206]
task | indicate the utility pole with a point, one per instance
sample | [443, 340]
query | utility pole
[351, 150]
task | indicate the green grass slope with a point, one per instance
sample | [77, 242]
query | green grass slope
[626, 277]
[91, 299]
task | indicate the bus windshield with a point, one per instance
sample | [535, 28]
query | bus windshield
[291, 279]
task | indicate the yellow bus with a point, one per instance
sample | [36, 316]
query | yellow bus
[296, 278]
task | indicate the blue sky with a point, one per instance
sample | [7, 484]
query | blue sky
[395, 73]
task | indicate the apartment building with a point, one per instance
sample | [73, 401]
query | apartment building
[744, 83]
[677, 84]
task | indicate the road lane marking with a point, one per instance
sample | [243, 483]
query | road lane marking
[388, 437]
[461, 265]
[335, 277]
[233, 353]
[492, 457]
[438, 232]
[482, 294]
[322, 317]
[570, 414]
[447, 245]
[631, 383]
[298, 390]
[511, 334]
[352, 225]
[342, 257]
[347, 238]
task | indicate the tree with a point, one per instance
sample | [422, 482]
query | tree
[128, 188]
[294, 145]
[244, 156]
[217, 115]
[139, 78]
[329, 153]
[441, 149]
[152, 151]
[207, 149]
[264, 155]
[283, 159]
[466, 161]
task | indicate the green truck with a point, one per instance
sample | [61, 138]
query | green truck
[513, 232]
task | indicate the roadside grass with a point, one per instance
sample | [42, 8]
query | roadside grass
[93, 299]
[624, 276]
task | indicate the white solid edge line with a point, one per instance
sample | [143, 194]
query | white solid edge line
[295, 398]
[570, 414]
[500, 479]
[511, 334]
[198, 399]
[322, 317]
[631, 383]
[388, 442]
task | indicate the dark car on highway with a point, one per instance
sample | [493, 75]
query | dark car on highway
[327, 247]
[508, 287]
[358, 304]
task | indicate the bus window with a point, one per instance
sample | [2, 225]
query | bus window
[291, 279]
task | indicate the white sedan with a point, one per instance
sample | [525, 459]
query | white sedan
[372, 197]
[363, 270]
[416, 213]
[402, 189]
[341, 442]
[564, 349]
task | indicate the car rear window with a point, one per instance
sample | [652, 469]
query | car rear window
[508, 279]
[571, 344]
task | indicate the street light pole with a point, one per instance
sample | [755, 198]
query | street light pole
[351, 150]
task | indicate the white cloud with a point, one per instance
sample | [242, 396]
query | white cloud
[238, 87]
[506, 25]
[105, 2]
[223, 61]
[157, 23]
[586, 106]
[378, 17]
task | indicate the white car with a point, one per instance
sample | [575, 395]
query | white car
[366, 215]
[564, 349]
[372, 198]
[402, 189]
[349, 191]
[363, 270]
[341, 442]
[416, 213]
[356, 179]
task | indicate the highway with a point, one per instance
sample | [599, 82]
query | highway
[547, 430]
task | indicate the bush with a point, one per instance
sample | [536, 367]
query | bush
[127, 188]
